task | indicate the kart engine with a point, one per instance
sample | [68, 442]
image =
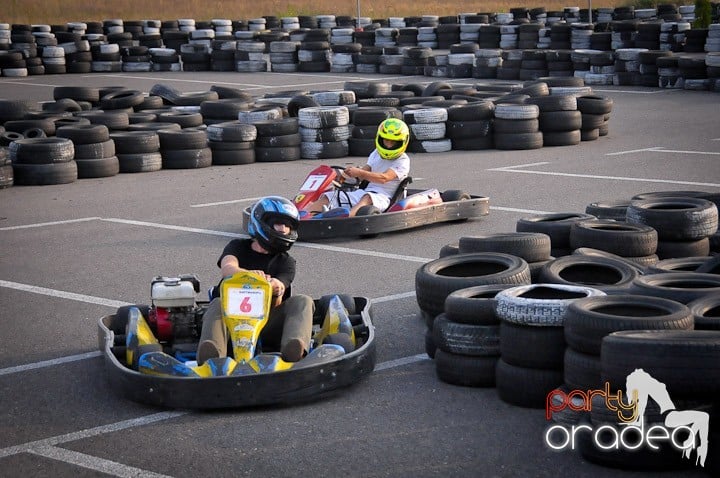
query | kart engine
[174, 314]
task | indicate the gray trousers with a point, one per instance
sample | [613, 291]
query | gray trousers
[292, 319]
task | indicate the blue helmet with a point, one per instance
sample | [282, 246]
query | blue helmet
[267, 212]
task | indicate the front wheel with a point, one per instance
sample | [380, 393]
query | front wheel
[368, 210]
[454, 195]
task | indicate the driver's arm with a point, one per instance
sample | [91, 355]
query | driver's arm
[366, 174]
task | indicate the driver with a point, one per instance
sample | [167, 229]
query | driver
[273, 230]
[386, 167]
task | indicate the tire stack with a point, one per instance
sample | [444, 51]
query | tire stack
[343, 57]
[427, 129]
[137, 58]
[415, 59]
[436, 280]
[6, 169]
[281, 140]
[532, 340]
[470, 126]
[43, 161]
[595, 268]
[668, 365]
[232, 143]
[461, 60]
[105, 57]
[137, 151]
[250, 56]
[314, 52]
[595, 110]
[326, 122]
[223, 110]
[648, 67]
[532, 247]
[517, 127]
[559, 119]
[53, 60]
[184, 149]
[366, 120]
[588, 321]
[555, 225]
[487, 61]
[634, 241]
[510, 67]
[684, 225]
[465, 339]
[283, 56]
[94, 150]
[559, 63]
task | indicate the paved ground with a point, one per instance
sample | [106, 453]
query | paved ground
[70, 254]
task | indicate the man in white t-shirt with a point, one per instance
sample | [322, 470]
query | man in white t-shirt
[386, 167]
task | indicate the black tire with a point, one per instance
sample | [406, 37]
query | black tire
[465, 339]
[347, 300]
[98, 167]
[641, 264]
[581, 371]
[531, 246]
[269, 155]
[587, 321]
[518, 141]
[678, 249]
[342, 340]
[84, 133]
[623, 239]
[449, 250]
[532, 347]
[706, 312]
[683, 287]
[454, 195]
[676, 219]
[119, 323]
[684, 360]
[40, 151]
[186, 158]
[140, 162]
[525, 387]
[435, 280]
[679, 264]
[610, 275]
[555, 225]
[182, 139]
[616, 210]
[474, 305]
[465, 370]
[230, 157]
[44, 174]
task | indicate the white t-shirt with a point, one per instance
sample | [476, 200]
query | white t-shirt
[401, 166]
[380, 194]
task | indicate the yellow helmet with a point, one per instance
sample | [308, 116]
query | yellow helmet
[395, 130]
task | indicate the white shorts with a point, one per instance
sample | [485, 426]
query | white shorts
[350, 198]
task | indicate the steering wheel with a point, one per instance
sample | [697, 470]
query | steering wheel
[344, 181]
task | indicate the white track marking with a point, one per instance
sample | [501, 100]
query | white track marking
[49, 363]
[93, 462]
[401, 361]
[53, 223]
[90, 432]
[222, 203]
[514, 169]
[61, 294]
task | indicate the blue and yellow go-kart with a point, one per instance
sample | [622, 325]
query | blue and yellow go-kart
[149, 350]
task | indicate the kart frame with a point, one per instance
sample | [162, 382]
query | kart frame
[372, 225]
[282, 387]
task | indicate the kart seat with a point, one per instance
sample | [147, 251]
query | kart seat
[400, 192]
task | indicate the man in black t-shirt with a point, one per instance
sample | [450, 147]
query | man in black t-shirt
[273, 230]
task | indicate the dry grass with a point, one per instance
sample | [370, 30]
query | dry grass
[62, 11]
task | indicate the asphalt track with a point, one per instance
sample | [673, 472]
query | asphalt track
[70, 254]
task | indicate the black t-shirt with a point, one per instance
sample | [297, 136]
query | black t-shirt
[280, 266]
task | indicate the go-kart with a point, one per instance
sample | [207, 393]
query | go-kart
[150, 350]
[409, 208]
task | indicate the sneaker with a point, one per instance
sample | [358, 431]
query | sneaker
[206, 350]
[293, 351]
